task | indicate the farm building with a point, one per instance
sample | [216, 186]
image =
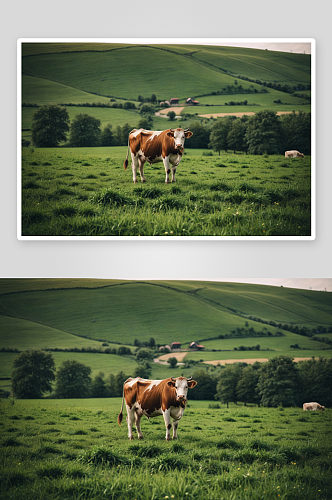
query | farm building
[192, 102]
[174, 100]
[194, 345]
[176, 345]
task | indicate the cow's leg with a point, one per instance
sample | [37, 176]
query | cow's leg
[168, 425]
[141, 167]
[175, 428]
[130, 421]
[138, 417]
[167, 169]
[173, 174]
[134, 165]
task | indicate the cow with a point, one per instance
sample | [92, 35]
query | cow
[313, 407]
[166, 146]
[293, 154]
[151, 398]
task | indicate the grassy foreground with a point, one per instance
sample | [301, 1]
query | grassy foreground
[85, 192]
[58, 449]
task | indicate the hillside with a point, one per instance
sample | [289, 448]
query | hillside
[92, 74]
[80, 318]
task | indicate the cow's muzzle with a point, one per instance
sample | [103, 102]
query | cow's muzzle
[181, 398]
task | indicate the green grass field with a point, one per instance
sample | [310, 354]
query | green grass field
[86, 192]
[75, 449]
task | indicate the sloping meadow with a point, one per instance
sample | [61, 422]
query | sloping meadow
[85, 192]
[75, 449]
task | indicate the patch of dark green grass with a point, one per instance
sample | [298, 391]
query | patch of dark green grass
[65, 210]
[219, 186]
[148, 451]
[50, 471]
[102, 455]
[10, 442]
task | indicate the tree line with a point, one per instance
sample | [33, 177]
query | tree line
[278, 382]
[263, 133]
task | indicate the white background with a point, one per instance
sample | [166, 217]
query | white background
[208, 260]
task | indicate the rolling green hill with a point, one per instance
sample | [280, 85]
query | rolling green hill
[84, 313]
[127, 70]
[91, 74]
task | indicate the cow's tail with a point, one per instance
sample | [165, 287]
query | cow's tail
[125, 164]
[120, 416]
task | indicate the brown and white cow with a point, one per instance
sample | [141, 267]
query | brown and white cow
[293, 154]
[151, 398]
[313, 407]
[166, 146]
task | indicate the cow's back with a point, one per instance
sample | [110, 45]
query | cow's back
[149, 394]
[146, 142]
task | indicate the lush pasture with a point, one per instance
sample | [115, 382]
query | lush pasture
[126, 71]
[114, 314]
[74, 449]
[85, 192]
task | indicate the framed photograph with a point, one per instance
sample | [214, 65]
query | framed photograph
[166, 139]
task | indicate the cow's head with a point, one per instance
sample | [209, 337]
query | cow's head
[179, 135]
[321, 408]
[181, 386]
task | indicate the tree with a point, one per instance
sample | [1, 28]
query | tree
[144, 354]
[171, 115]
[146, 109]
[219, 132]
[99, 388]
[227, 383]
[206, 385]
[296, 129]
[278, 382]
[172, 362]
[32, 374]
[235, 136]
[263, 134]
[120, 379]
[200, 137]
[107, 138]
[84, 131]
[316, 380]
[125, 133]
[49, 126]
[152, 343]
[73, 380]
[146, 122]
[246, 388]
[143, 370]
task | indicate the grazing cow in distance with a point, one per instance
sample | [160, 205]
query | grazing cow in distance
[151, 398]
[166, 146]
[293, 154]
[313, 407]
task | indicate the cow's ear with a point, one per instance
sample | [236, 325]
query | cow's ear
[170, 133]
[192, 383]
[171, 383]
[188, 134]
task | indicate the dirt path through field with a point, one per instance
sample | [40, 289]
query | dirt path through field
[177, 110]
[178, 355]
